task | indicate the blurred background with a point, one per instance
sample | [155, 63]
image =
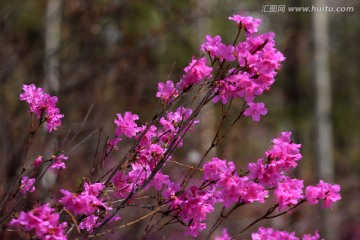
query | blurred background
[102, 57]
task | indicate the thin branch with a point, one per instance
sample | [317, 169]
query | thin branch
[73, 219]
[187, 166]
[127, 224]
[268, 212]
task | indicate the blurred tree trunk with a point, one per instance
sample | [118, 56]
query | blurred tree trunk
[52, 45]
[207, 115]
[52, 72]
[324, 140]
[294, 52]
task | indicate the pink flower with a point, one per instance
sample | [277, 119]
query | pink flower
[53, 119]
[196, 72]
[261, 60]
[233, 189]
[170, 190]
[250, 24]
[160, 180]
[123, 185]
[146, 140]
[267, 175]
[194, 206]
[255, 110]
[40, 102]
[211, 45]
[260, 57]
[325, 191]
[314, 193]
[316, 236]
[72, 202]
[113, 142]
[35, 97]
[27, 185]
[58, 163]
[167, 124]
[127, 183]
[230, 188]
[282, 156]
[217, 169]
[284, 152]
[150, 155]
[126, 125]
[38, 161]
[172, 122]
[235, 85]
[289, 192]
[332, 194]
[86, 202]
[89, 223]
[217, 49]
[270, 234]
[93, 189]
[81, 204]
[43, 221]
[166, 92]
[226, 53]
[252, 191]
[224, 235]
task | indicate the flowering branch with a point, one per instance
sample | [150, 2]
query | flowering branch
[242, 70]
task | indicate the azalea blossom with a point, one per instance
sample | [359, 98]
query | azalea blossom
[255, 110]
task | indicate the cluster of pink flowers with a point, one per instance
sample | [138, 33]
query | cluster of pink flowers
[270, 171]
[251, 67]
[196, 72]
[230, 187]
[217, 49]
[151, 149]
[282, 156]
[41, 103]
[258, 61]
[289, 191]
[86, 203]
[193, 206]
[221, 183]
[257, 65]
[269, 233]
[324, 191]
[27, 185]
[153, 144]
[43, 221]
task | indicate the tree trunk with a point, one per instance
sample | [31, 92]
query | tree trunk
[207, 115]
[52, 72]
[324, 137]
[52, 45]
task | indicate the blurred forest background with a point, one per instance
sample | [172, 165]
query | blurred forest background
[102, 57]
